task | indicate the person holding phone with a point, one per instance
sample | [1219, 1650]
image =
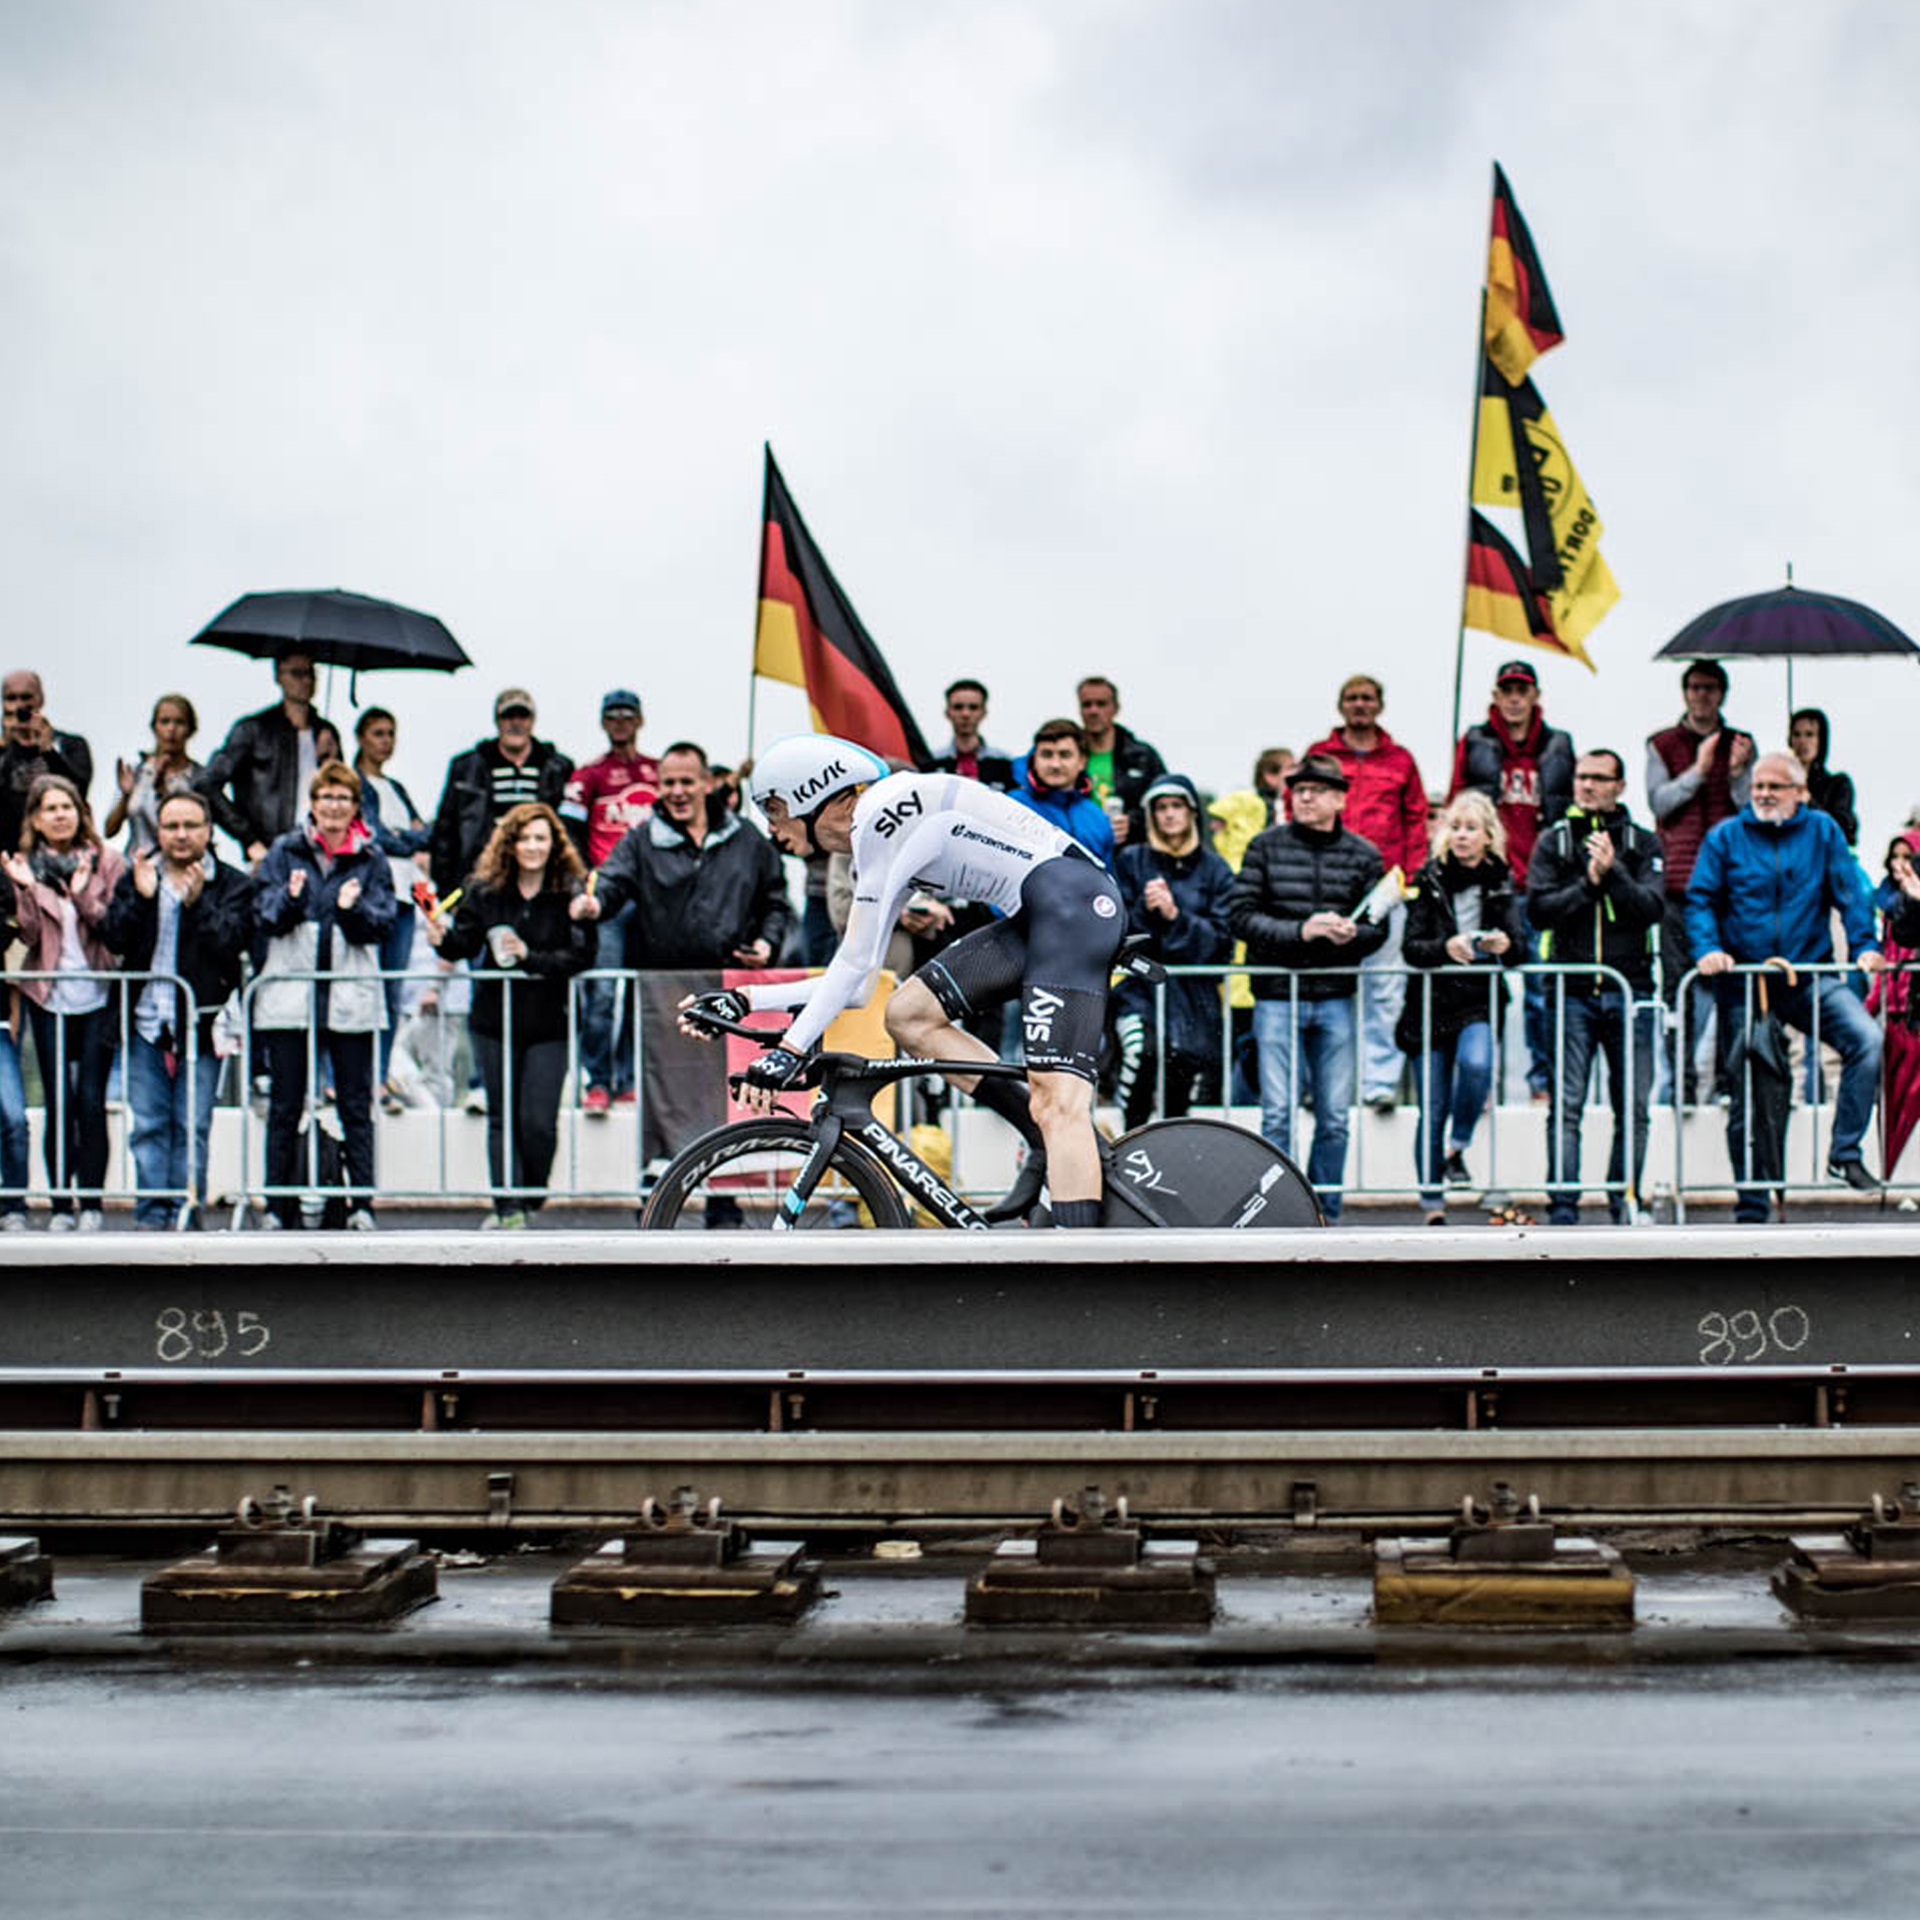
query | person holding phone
[1462, 912]
[513, 920]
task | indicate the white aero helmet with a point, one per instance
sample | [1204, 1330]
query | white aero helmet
[806, 770]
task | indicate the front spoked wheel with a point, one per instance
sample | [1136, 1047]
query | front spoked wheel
[741, 1177]
[1204, 1173]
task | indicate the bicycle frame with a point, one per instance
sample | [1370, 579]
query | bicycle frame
[845, 1107]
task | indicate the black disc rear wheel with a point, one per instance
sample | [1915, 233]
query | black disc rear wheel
[1205, 1173]
[741, 1177]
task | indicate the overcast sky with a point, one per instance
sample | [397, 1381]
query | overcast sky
[1123, 337]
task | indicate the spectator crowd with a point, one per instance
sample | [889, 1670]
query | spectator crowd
[1331, 885]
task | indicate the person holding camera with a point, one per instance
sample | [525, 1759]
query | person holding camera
[513, 919]
[1463, 913]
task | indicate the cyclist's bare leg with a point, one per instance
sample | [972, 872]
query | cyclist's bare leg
[918, 1024]
[1063, 1110]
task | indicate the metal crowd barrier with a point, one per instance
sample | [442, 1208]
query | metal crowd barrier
[568, 1184]
[1559, 974]
[1822, 1112]
[124, 1004]
[557, 1187]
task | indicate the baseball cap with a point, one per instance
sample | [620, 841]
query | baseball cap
[620, 697]
[513, 697]
[1321, 770]
[1516, 670]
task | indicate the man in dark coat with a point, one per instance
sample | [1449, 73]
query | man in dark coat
[968, 752]
[188, 914]
[709, 889]
[1525, 767]
[491, 779]
[1297, 903]
[32, 746]
[258, 779]
[1596, 889]
[1120, 765]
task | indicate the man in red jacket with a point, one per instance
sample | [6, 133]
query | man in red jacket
[1387, 804]
[1525, 767]
[1699, 772]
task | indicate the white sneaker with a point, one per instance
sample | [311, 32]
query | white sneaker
[13, 1223]
[490, 1224]
[91, 1220]
[60, 1223]
[475, 1102]
[360, 1220]
[270, 1223]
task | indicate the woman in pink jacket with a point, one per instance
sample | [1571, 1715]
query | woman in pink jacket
[63, 876]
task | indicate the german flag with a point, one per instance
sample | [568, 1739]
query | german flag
[1520, 460]
[1520, 322]
[1502, 599]
[809, 636]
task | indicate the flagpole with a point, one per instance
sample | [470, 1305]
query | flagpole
[759, 581]
[1473, 460]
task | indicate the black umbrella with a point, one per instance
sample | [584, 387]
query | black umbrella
[341, 629]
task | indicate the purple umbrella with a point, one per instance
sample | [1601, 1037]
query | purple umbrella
[1787, 623]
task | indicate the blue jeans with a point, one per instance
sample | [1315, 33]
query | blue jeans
[1597, 1022]
[1382, 995]
[1536, 1010]
[1454, 1081]
[13, 1126]
[1326, 1030]
[606, 1012]
[1847, 1027]
[163, 1111]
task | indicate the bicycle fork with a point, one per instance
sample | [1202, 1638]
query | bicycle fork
[827, 1131]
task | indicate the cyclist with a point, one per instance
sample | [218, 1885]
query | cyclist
[1055, 946]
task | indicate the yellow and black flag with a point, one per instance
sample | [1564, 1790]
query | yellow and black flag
[809, 636]
[1501, 598]
[1520, 460]
[1519, 322]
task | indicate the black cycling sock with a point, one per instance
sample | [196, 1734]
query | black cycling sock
[1008, 1098]
[1076, 1213]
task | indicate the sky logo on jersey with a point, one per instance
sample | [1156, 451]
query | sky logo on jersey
[891, 819]
[1037, 1016]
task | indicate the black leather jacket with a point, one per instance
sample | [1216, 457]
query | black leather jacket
[465, 817]
[253, 781]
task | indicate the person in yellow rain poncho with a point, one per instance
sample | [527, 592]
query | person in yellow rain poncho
[1234, 818]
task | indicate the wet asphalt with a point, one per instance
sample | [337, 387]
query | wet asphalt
[1065, 1781]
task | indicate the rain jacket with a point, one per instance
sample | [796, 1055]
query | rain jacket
[1201, 883]
[696, 904]
[1385, 801]
[1763, 890]
[313, 932]
[1432, 920]
[1612, 924]
[1073, 809]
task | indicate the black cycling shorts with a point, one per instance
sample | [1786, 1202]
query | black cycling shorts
[1056, 952]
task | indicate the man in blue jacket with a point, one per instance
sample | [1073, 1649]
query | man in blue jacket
[1052, 780]
[1765, 887]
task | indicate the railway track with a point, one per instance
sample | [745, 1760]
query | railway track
[945, 1380]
